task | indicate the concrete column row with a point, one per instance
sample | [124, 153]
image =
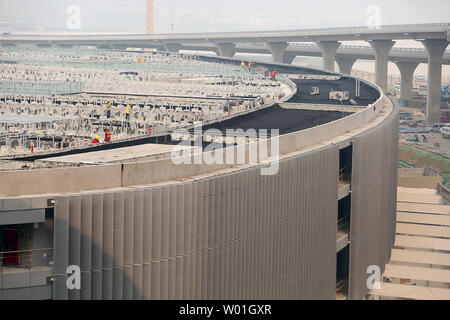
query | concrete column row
[382, 48]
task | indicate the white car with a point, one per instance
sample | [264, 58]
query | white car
[445, 133]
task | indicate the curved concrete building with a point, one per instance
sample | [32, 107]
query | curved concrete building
[157, 230]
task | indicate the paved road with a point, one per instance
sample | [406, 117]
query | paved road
[368, 94]
[286, 120]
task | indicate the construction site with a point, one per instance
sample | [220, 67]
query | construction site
[53, 100]
[159, 174]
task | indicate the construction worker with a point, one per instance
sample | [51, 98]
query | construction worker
[128, 112]
[96, 140]
[108, 109]
[107, 135]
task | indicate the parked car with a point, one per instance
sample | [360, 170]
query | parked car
[445, 133]
[438, 126]
[406, 121]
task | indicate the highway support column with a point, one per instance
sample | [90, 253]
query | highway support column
[345, 64]
[329, 49]
[226, 50]
[119, 47]
[278, 50]
[407, 72]
[435, 49]
[382, 49]
[172, 47]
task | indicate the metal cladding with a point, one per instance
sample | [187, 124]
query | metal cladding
[234, 236]
[374, 202]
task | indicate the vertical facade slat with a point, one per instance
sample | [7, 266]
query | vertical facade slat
[165, 240]
[61, 248]
[74, 239]
[86, 246]
[172, 242]
[192, 230]
[154, 261]
[189, 201]
[179, 241]
[128, 245]
[97, 246]
[118, 244]
[108, 244]
[139, 225]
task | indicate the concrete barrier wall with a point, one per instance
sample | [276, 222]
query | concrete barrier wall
[61, 180]
[411, 172]
[234, 236]
[419, 182]
[321, 107]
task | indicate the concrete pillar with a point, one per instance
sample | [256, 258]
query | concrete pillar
[119, 47]
[435, 49]
[104, 47]
[345, 64]
[64, 46]
[44, 45]
[278, 49]
[289, 58]
[226, 50]
[382, 49]
[172, 47]
[329, 49]
[407, 72]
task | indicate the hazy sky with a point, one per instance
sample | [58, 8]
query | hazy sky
[229, 15]
[222, 16]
